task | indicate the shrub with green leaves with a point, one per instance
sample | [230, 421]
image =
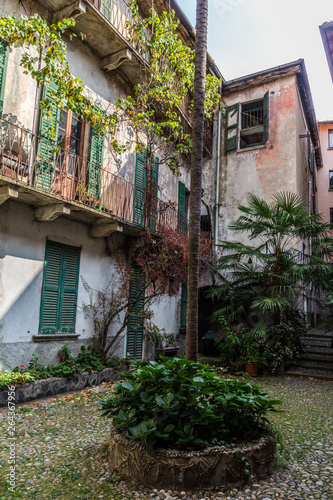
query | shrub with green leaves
[181, 403]
[14, 378]
[282, 343]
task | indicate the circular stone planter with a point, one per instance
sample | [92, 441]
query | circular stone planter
[190, 470]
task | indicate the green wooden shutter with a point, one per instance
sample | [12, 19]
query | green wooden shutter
[266, 116]
[51, 289]
[106, 8]
[154, 207]
[181, 208]
[68, 298]
[135, 324]
[139, 188]
[48, 136]
[4, 50]
[59, 292]
[231, 140]
[96, 164]
[183, 307]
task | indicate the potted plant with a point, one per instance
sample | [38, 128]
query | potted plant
[250, 356]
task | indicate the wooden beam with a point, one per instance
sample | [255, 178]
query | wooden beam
[115, 60]
[103, 230]
[51, 212]
[74, 10]
[7, 192]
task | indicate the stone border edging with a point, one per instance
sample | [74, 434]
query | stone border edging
[43, 388]
[181, 470]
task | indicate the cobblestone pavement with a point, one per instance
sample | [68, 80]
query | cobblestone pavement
[60, 448]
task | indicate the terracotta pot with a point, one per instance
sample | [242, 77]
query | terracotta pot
[251, 369]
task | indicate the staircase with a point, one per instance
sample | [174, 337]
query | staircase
[317, 359]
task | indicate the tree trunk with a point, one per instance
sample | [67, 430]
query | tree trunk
[196, 174]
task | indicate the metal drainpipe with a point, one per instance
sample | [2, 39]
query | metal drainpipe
[216, 235]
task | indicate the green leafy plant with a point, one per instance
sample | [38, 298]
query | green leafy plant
[185, 404]
[287, 262]
[282, 343]
[14, 378]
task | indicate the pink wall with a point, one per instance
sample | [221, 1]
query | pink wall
[325, 195]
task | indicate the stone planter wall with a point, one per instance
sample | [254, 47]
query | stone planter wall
[51, 386]
[176, 470]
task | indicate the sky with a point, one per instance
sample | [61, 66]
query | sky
[246, 36]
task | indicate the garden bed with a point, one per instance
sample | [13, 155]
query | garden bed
[51, 386]
[180, 470]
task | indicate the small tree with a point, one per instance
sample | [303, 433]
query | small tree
[276, 272]
[161, 258]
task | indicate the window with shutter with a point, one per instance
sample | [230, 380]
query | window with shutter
[135, 323]
[139, 187]
[183, 307]
[59, 292]
[247, 124]
[4, 49]
[181, 208]
[96, 164]
[153, 204]
[46, 152]
[231, 141]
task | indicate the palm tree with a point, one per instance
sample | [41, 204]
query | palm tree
[196, 176]
[288, 262]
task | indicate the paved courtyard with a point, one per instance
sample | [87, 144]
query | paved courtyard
[60, 449]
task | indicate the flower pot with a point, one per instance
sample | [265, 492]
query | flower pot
[251, 369]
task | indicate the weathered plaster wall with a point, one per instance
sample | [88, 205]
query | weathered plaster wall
[325, 195]
[22, 251]
[303, 175]
[261, 170]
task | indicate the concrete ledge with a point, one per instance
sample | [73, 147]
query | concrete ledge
[56, 337]
[180, 470]
[51, 386]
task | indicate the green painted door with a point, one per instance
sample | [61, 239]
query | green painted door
[183, 307]
[47, 142]
[59, 292]
[4, 50]
[181, 208]
[140, 188]
[135, 324]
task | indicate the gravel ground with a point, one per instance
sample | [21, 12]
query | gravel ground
[60, 449]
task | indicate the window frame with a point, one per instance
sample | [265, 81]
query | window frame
[60, 285]
[330, 134]
[234, 125]
[330, 180]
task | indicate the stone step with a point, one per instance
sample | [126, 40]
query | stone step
[325, 357]
[305, 363]
[309, 372]
[325, 351]
[316, 342]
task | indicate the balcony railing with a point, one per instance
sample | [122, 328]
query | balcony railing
[37, 163]
[118, 13]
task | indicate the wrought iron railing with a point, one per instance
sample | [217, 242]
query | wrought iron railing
[38, 163]
[118, 13]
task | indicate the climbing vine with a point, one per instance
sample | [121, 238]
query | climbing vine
[154, 107]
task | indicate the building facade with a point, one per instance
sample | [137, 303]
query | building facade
[269, 143]
[63, 209]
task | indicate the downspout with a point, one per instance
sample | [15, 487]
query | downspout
[216, 235]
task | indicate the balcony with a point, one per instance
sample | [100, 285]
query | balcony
[57, 182]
